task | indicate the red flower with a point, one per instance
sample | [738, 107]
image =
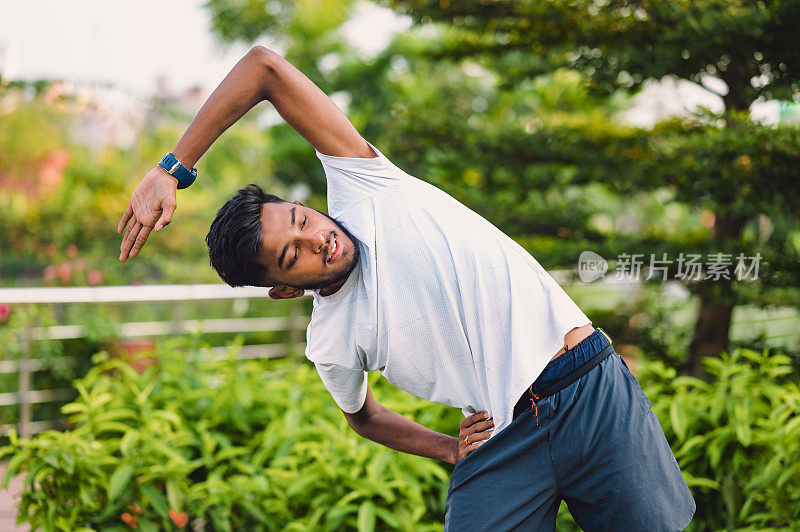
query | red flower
[72, 251]
[94, 277]
[135, 509]
[179, 519]
[5, 311]
[50, 272]
[64, 271]
[130, 520]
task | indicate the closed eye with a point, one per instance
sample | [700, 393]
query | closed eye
[296, 249]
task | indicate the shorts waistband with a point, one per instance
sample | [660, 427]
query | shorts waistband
[573, 358]
[566, 369]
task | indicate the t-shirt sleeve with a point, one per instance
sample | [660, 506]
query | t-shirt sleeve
[351, 179]
[347, 386]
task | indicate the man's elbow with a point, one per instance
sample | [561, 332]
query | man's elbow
[262, 55]
[267, 64]
[358, 421]
[362, 421]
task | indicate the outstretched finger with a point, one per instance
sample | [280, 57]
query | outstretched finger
[125, 217]
[140, 240]
[130, 237]
[128, 230]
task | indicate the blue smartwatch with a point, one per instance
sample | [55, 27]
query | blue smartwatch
[171, 164]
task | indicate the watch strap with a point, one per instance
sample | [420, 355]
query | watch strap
[175, 168]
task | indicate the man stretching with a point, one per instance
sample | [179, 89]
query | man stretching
[410, 282]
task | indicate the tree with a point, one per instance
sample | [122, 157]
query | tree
[618, 44]
[509, 106]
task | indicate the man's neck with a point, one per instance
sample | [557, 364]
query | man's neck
[332, 289]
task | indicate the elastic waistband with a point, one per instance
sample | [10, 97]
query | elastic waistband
[566, 369]
[573, 358]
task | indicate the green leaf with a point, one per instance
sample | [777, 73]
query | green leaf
[119, 480]
[85, 495]
[337, 515]
[366, 517]
[168, 416]
[11, 467]
[675, 417]
[227, 454]
[174, 495]
[741, 422]
[387, 517]
[111, 426]
[692, 481]
[128, 443]
[10, 449]
[254, 510]
[73, 408]
[117, 414]
[145, 525]
[156, 499]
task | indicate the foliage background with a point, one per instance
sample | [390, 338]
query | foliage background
[514, 109]
[258, 445]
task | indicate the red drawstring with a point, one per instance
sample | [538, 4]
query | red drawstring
[534, 398]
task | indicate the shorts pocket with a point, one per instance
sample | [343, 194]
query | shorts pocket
[632, 382]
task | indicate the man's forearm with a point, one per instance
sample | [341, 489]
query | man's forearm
[400, 433]
[240, 91]
[264, 75]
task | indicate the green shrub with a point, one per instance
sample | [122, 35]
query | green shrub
[736, 438]
[260, 445]
[226, 442]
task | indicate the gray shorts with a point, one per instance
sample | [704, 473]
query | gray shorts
[595, 444]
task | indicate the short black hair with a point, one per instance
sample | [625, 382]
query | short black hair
[234, 240]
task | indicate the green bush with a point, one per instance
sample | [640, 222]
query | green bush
[226, 442]
[260, 445]
[736, 438]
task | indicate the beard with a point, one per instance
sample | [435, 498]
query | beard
[320, 284]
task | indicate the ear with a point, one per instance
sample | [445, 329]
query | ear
[285, 292]
[298, 203]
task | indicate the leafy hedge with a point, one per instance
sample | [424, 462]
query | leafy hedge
[259, 445]
[736, 438]
[226, 442]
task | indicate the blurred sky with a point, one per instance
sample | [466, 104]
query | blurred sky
[132, 43]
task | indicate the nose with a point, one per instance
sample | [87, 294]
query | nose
[318, 242]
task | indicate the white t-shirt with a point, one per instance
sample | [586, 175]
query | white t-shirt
[442, 303]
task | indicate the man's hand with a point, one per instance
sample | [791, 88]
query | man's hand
[474, 431]
[152, 205]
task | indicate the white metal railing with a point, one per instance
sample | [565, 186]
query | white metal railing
[783, 324]
[121, 294]
[294, 324]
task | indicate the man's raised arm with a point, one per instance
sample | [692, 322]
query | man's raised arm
[260, 75]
